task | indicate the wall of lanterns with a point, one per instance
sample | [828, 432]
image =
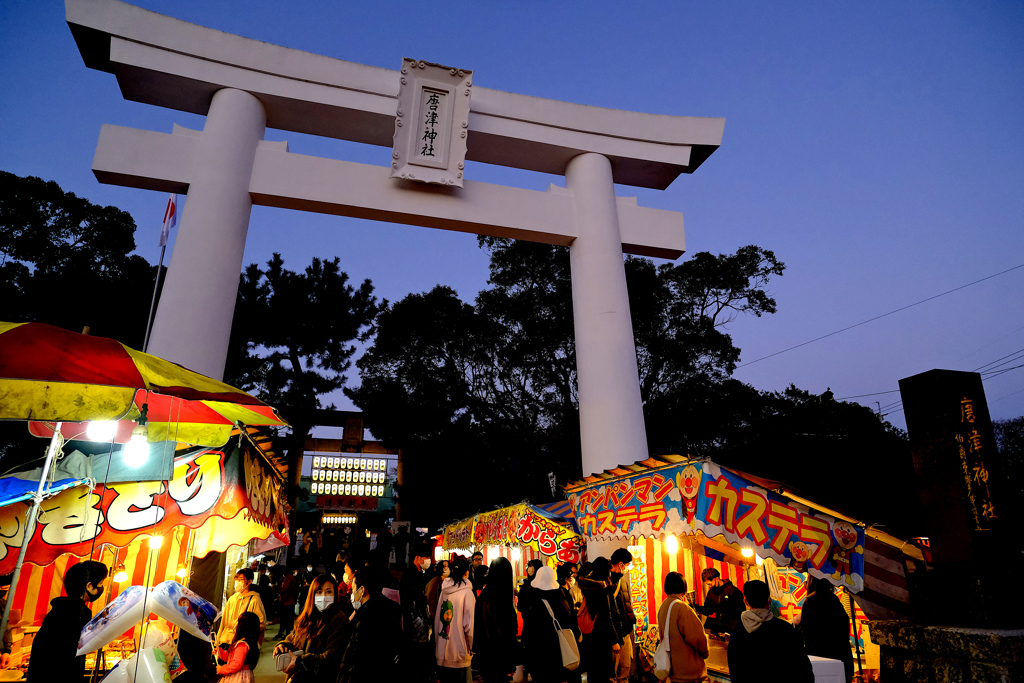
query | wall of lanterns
[348, 476]
[340, 519]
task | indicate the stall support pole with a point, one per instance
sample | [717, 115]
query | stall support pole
[856, 640]
[30, 523]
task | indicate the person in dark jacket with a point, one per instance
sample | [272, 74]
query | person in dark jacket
[376, 633]
[526, 589]
[763, 647]
[540, 638]
[477, 571]
[603, 641]
[622, 609]
[53, 650]
[287, 592]
[320, 634]
[496, 652]
[825, 625]
[418, 659]
[721, 598]
[566, 575]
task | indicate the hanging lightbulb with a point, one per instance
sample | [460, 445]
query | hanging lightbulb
[136, 451]
[102, 430]
[181, 571]
[516, 554]
[747, 552]
[156, 541]
[120, 574]
[672, 544]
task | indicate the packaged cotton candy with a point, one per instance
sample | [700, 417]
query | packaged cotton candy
[113, 620]
[145, 666]
[178, 605]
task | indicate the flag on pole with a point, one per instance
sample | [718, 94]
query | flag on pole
[170, 218]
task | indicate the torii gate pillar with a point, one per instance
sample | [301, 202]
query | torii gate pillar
[611, 411]
[208, 250]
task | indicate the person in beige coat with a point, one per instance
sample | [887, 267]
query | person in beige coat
[687, 641]
[453, 625]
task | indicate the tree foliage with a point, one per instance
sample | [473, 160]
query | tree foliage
[67, 262]
[496, 381]
[292, 339]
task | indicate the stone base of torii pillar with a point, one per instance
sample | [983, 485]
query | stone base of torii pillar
[243, 86]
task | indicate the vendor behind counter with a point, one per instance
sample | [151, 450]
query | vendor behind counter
[723, 601]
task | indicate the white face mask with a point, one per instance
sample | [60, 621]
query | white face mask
[572, 582]
[322, 602]
[357, 598]
[309, 569]
[239, 586]
[445, 572]
[425, 563]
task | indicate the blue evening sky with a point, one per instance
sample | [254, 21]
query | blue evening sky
[875, 147]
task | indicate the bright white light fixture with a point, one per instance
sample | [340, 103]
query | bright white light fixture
[672, 544]
[181, 571]
[437, 553]
[516, 554]
[102, 430]
[156, 541]
[747, 552]
[136, 451]
[120, 575]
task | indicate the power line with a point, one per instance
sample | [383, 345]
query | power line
[1014, 353]
[877, 317]
[877, 393]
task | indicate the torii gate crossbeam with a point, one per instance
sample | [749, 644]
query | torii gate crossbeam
[243, 85]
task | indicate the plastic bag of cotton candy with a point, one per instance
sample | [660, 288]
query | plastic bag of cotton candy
[182, 607]
[145, 666]
[169, 600]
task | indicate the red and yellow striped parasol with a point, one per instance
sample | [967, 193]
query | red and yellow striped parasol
[51, 374]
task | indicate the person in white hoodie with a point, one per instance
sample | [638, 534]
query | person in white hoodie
[453, 625]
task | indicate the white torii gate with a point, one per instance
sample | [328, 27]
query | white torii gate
[244, 85]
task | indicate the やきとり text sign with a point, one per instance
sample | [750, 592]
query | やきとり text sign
[431, 123]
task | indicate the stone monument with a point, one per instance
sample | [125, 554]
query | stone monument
[967, 624]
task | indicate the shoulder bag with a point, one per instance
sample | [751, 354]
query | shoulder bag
[566, 642]
[662, 657]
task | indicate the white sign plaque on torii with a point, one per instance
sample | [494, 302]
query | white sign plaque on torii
[243, 86]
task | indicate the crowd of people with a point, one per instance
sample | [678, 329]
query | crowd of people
[352, 621]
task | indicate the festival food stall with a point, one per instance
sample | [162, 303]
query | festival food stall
[147, 533]
[519, 533]
[170, 472]
[685, 515]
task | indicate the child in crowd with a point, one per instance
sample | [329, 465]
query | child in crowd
[244, 652]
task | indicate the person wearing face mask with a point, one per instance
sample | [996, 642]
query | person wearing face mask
[244, 599]
[415, 618]
[441, 573]
[320, 633]
[375, 632]
[53, 650]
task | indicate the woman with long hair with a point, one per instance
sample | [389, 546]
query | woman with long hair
[244, 652]
[453, 625]
[495, 647]
[601, 637]
[320, 633]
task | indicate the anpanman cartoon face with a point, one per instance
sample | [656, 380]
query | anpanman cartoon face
[799, 551]
[688, 481]
[845, 533]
